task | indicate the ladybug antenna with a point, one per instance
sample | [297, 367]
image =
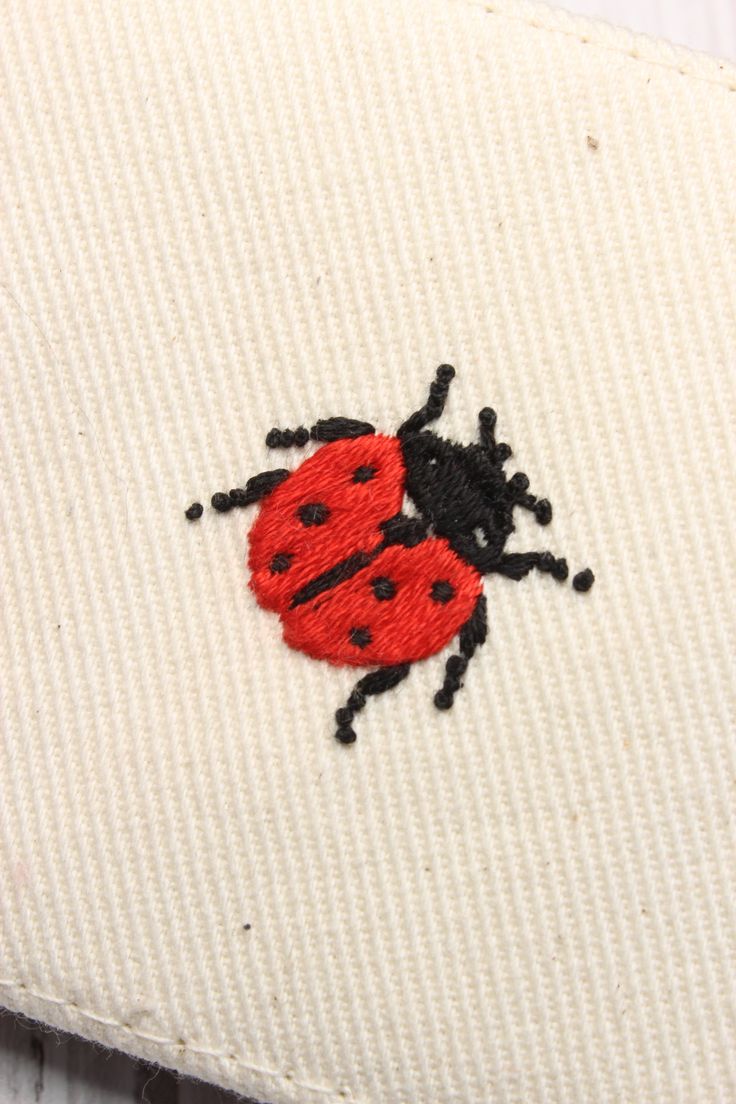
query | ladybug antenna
[435, 404]
[257, 487]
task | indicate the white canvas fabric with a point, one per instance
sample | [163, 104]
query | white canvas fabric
[223, 216]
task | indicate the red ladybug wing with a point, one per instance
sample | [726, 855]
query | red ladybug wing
[406, 605]
[327, 509]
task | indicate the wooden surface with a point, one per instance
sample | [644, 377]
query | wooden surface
[40, 1067]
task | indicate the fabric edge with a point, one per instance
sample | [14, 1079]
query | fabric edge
[603, 35]
[181, 1056]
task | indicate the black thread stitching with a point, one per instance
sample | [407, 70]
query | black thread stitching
[364, 474]
[280, 563]
[313, 513]
[383, 588]
[442, 591]
[332, 577]
[360, 636]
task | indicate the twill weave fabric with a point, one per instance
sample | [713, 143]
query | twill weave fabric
[220, 217]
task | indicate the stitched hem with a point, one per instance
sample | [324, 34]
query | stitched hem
[232, 1062]
[609, 38]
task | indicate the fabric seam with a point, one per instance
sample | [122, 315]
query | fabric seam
[633, 54]
[285, 1080]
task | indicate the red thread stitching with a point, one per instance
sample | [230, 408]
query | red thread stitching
[355, 508]
[411, 625]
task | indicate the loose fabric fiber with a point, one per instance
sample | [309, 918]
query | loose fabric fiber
[226, 216]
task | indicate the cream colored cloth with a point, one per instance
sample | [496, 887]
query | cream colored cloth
[225, 216]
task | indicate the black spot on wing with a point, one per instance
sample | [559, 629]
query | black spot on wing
[442, 591]
[383, 588]
[360, 636]
[313, 513]
[364, 474]
[280, 563]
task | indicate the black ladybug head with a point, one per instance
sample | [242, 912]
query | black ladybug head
[460, 490]
[463, 492]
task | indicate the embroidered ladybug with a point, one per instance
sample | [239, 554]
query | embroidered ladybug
[357, 580]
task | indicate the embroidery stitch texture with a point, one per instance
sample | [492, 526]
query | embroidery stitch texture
[357, 581]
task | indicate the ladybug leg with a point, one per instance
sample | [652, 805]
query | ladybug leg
[377, 682]
[327, 429]
[512, 565]
[435, 404]
[287, 438]
[340, 429]
[257, 487]
[472, 635]
[515, 565]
